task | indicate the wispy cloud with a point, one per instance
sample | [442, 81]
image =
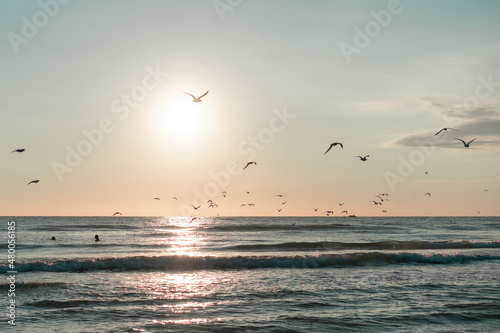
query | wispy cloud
[481, 122]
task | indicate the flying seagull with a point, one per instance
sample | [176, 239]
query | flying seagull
[279, 210]
[197, 100]
[174, 198]
[195, 207]
[33, 182]
[224, 193]
[444, 129]
[427, 194]
[246, 166]
[156, 199]
[315, 209]
[363, 158]
[333, 145]
[194, 218]
[20, 150]
[117, 213]
[280, 195]
[340, 203]
[466, 144]
[344, 211]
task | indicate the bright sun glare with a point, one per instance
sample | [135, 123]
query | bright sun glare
[183, 121]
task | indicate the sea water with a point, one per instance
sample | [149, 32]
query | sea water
[252, 274]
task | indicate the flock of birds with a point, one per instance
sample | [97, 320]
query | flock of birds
[211, 204]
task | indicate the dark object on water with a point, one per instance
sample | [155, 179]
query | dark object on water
[53, 238]
[97, 238]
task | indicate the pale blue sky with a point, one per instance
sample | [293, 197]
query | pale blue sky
[409, 82]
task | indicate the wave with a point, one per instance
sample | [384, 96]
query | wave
[385, 245]
[260, 227]
[184, 262]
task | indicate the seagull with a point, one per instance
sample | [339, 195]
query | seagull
[444, 129]
[197, 100]
[384, 211]
[380, 197]
[333, 145]
[224, 193]
[243, 205]
[466, 144]
[248, 192]
[117, 213]
[20, 150]
[194, 218]
[340, 203]
[250, 205]
[363, 158]
[280, 195]
[284, 202]
[329, 211]
[156, 199]
[195, 207]
[427, 194]
[315, 209]
[213, 205]
[279, 210]
[33, 182]
[246, 166]
[375, 202]
[344, 211]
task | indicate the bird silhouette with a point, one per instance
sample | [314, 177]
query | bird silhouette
[197, 99]
[117, 213]
[344, 211]
[333, 145]
[224, 193]
[246, 166]
[194, 218]
[195, 207]
[284, 202]
[33, 182]
[375, 202]
[427, 194]
[466, 144]
[20, 150]
[315, 209]
[445, 129]
[340, 203]
[363, 158]
[280, 195]
[279, 210]
[156, 199]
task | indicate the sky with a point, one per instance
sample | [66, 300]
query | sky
[94, 92]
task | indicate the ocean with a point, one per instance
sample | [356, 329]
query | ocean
[251, 274]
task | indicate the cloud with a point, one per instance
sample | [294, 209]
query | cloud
[482, 123]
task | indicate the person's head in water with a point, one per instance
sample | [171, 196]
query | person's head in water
[53, 238]
[96, 238]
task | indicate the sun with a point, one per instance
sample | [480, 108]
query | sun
[183, 121]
